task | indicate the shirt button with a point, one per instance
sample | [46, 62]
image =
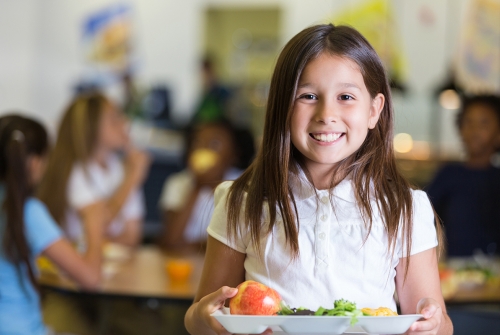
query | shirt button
[322, 236]
[324, 200]
[324, 217]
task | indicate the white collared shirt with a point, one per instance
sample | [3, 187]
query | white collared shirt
[91, 183]
[335, 261]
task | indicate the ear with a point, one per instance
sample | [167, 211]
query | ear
[375, 110]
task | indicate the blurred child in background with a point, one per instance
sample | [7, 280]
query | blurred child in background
[27, 230]
[214, 103]
[86, 180]
[466, 195]
[215, 154]
[85, 169]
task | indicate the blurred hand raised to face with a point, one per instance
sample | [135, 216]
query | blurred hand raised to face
[137, 164]
[212, 153]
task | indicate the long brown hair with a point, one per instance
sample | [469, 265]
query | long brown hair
[267, 179]
[20, 138]
[76, 141]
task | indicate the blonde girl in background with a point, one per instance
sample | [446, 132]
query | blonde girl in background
[27, 230]
[93, 174]
[322, 213]
[85, 170]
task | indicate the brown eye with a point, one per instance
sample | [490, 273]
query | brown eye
[308, 97]
[346, 97]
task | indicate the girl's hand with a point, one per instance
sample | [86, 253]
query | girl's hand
[137, 165]
[433, 315]
[211, 303]
[210, 175]
[95, 216]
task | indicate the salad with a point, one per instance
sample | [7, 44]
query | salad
[341, 307]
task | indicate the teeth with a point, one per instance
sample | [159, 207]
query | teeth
[327, 138]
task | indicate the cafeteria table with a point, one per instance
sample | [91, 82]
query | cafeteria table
[483, 294]
[138, 278]
[142, 274]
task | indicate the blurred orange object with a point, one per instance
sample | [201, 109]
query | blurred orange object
[449, 282]
[179, 270]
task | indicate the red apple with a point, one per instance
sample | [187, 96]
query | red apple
[254, 298]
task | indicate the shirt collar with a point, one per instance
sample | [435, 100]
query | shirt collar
[303, 189]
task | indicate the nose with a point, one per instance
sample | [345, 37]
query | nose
[325, 113]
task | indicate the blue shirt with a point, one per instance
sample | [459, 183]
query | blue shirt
[468, 202]
[20, 311]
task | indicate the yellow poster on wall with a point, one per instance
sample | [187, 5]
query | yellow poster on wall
[375, 20]
[478, 59]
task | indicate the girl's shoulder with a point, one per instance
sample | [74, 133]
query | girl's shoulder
[222, 190]
[40, 228]
[35, 206]
[421, 204]
[36, 213]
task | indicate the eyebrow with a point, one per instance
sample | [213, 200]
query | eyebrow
[349, 85]
[343, 85]
[304, 85]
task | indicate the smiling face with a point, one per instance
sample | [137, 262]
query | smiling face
[332, 112]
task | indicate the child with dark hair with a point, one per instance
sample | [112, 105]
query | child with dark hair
[466, 195]
[216, 152]
[322, 213]
[27, 230]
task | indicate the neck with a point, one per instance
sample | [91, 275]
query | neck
[100, 156]
[479, 161]
[322, 176]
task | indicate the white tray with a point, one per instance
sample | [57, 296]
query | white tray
[309, 324]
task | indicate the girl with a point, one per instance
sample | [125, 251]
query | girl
[187, 197]
[85, 172]
[322, 213]
[27, 230]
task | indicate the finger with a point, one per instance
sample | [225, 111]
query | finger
[429, 311]
[217, 299]
[425, 325]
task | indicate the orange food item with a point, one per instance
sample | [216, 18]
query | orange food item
[381, 311]
[449, 282]
[179, 270]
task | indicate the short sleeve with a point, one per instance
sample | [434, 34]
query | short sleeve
[40, 229]
[80, 192]
[175, 191]
[218, 224]
[424, 235]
